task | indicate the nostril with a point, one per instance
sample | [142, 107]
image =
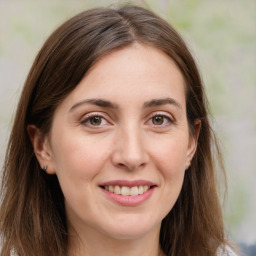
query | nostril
[129, 157]
[131, 166]
[123, 166]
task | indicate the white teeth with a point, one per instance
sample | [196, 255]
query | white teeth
[111, 188]
[117, 190]
[127, 191]
[134, 191]
[145, 188]
[140, 190]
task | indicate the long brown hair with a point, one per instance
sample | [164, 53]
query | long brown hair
[32, 215]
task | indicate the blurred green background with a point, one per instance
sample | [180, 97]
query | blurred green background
[222, 37]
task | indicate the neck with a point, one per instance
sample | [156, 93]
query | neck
[93, 243]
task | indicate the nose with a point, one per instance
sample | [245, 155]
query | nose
[129, 151]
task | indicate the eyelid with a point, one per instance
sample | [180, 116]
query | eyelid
[170, 118]
[87, 117]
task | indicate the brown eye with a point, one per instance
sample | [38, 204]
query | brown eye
[95, 120]
[158, 120]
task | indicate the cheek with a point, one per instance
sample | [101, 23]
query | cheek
[170, 160]
[170, 155]
[78, 160]
[78, 157]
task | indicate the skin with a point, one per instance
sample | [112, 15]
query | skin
[128, 143]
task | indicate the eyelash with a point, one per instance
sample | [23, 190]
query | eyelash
[167, 120]
[89, 116]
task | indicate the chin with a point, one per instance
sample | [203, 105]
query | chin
[132, 230]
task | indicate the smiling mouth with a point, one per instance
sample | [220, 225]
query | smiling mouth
[127, 191]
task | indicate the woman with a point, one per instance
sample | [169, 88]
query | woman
[111, 150]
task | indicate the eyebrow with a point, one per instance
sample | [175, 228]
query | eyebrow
[97, 102]
[164, 101]
[108, 104]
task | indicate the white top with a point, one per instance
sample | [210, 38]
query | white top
[228, 252]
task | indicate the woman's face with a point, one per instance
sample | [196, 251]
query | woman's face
[120, 144]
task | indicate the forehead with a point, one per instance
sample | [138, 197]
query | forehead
[135, 72]
[135, 58]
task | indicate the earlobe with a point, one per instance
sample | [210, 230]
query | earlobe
[41, 148]
[193, 141]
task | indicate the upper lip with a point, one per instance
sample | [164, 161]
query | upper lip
[128, 183]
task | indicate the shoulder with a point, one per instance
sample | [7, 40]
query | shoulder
[227, 251]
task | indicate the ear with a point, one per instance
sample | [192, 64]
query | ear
[192, 146]
[42, 148]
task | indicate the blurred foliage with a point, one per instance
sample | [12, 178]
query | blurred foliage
[222, 37]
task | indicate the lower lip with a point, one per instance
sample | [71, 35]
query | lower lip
[129, 200]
